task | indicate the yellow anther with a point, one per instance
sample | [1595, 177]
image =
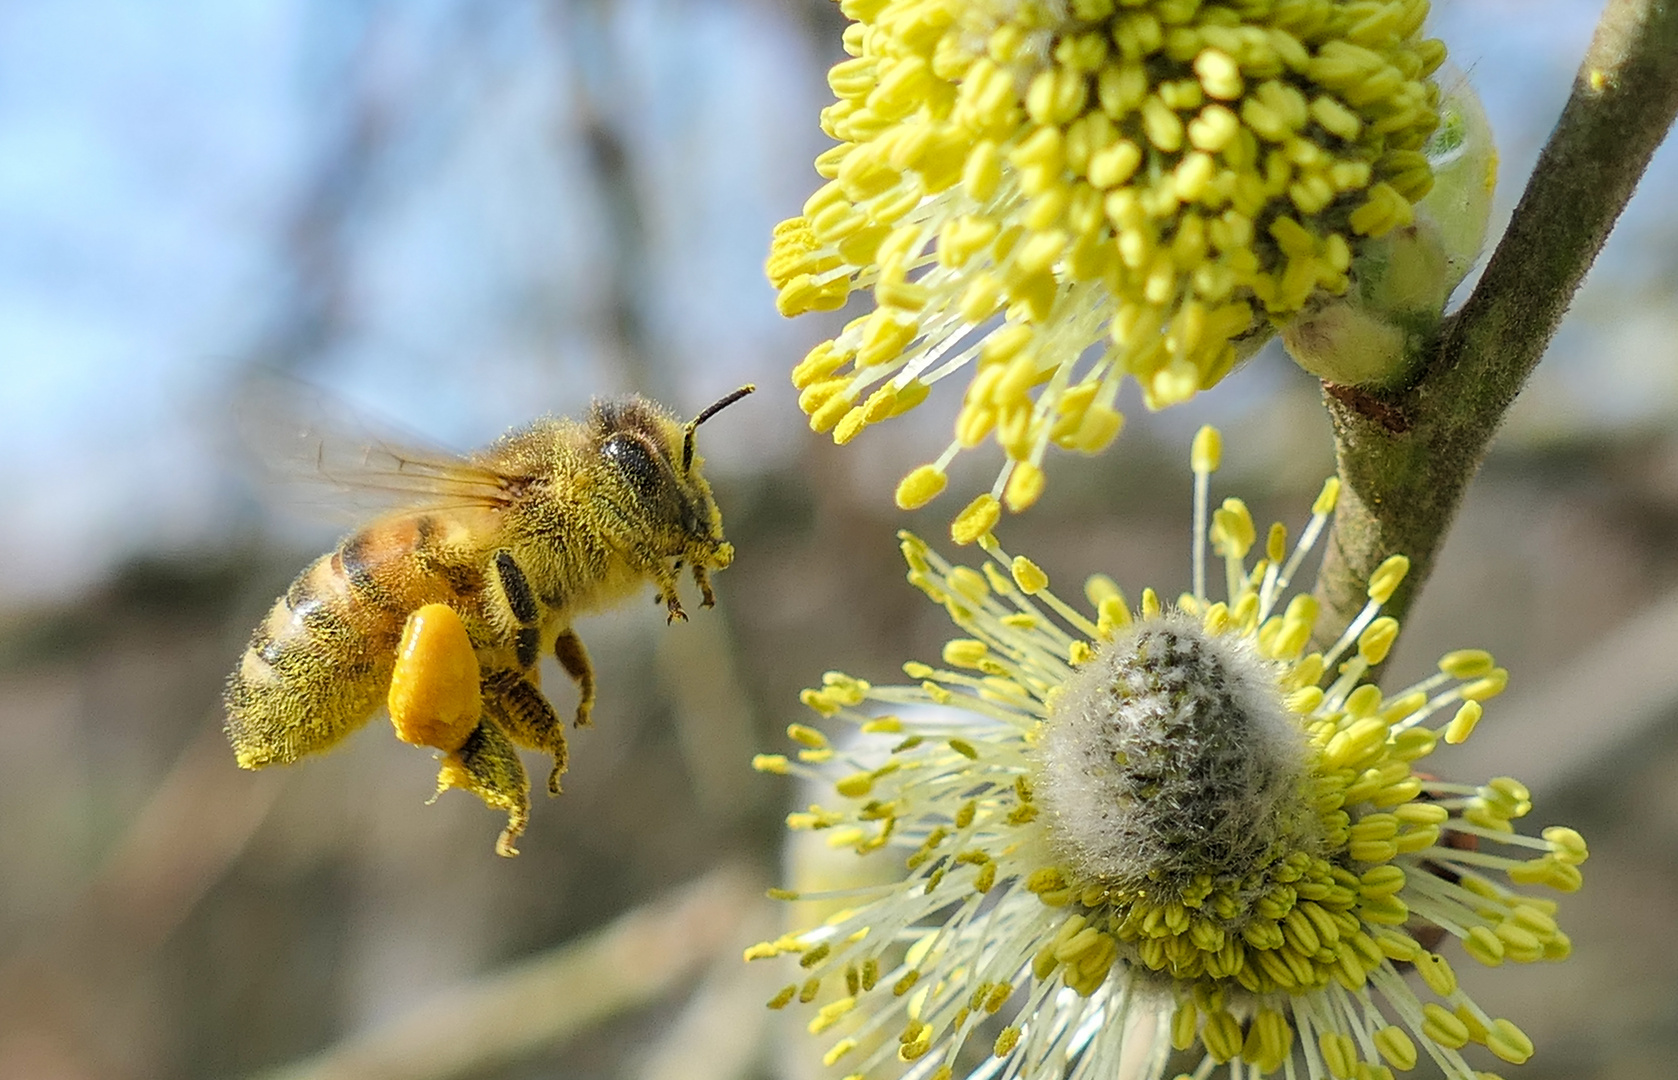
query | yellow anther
[1221, 1035]
[1395, 1046]
[1567, 846]
[1387, 578]
[1364, 702]
[807, 736]
[1025, 486]
[1233, 532]
[1328, 497]
[1443, 1027]
[1184, 1024]
[1219, 75]
[965, 652]
[1381, 881]
[855, 786]
[1508, 1042]
[1462, 724]
[1304, 701]
[830, 1014]
[1339, 1054]
[771, 763]
[820, 363]
[1207, 451]
[1375, 642]
[976, 519]
[1276, 542]
[1483, 945]
[1467, 663]
[1029, 576]
[1488, 686]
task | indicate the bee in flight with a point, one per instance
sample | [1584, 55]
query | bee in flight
[442, 609]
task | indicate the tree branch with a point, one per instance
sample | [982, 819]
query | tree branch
[1405, 459]
[551, 997]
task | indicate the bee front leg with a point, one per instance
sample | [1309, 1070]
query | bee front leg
[569, 651]
[488, 766]
[531, 721]
[664, 576]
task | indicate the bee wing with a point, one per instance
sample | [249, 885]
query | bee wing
[303, 435]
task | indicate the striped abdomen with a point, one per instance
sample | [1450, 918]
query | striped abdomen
[320, 663]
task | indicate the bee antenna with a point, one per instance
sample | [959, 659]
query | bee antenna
[687, 441]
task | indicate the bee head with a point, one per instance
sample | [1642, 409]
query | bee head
[652, 457]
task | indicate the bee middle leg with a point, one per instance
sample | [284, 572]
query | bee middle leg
[569, 651]
[516, 702]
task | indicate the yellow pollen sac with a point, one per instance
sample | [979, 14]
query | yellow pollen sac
[1387, 578]
[1207, 450]
[1328, 497]
[1233, 531]
[808, 736]
[1484, 945]
[976, 520]
[1508, 1042]
[1463, 723]
[1395, 1046]
[1486, 687]
[1339, 1054]
[434, 695]
[1442, 1026]
[1467, 663]
[1029, 576]
[1567, 845]
[1375, 642]
[1025, 486]
[965, 652]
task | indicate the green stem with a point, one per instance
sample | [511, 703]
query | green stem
[1405, 458]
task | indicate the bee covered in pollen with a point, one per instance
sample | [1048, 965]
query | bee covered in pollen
[442, 609]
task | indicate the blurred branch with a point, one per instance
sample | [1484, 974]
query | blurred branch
[552, 997]
[1405, 459]
[720, 1034]
[183, 840]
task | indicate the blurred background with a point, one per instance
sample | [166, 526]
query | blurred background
[455, 214]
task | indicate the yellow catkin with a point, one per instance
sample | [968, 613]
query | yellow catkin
[1135, 145]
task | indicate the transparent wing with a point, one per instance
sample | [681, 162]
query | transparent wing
[301, 434]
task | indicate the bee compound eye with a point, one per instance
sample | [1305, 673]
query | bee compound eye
[631, 456]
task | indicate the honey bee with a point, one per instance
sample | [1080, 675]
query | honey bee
[442, 609]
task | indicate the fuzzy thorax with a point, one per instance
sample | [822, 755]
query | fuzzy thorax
[1169, 758]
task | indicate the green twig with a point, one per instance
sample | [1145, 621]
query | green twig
[1406, 458]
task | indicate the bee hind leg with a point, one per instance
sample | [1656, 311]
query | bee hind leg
[488, 766]
[569, 651]
[528, 717]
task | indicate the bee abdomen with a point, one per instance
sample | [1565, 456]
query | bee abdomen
[317, 667]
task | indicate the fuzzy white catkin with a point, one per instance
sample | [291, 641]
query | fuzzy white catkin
[1169, 756]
